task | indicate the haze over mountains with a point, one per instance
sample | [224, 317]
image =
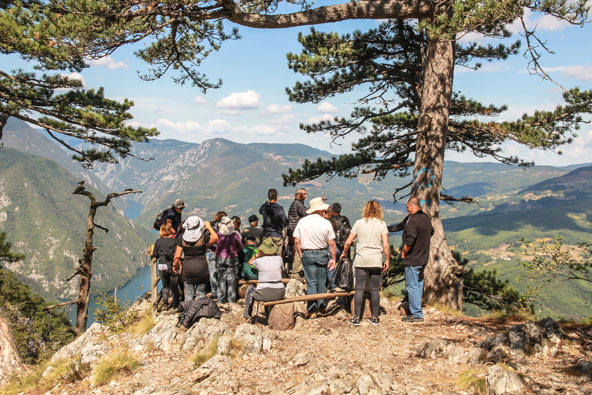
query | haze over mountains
[218, 174]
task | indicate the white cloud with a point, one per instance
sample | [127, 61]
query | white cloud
[542, 23]
[199, 100]
[75, 76]
[107, 62]
[179, 127]
[324, 117]
[257, 130]
[576, 72]
[238, 102]
[219, 126]
[326, 107]
[278, 109]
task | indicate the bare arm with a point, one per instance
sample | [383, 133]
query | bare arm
[333, 249]
[177, 261]
[387, 252]
[213, 234]
[348, 243]
[298, 247]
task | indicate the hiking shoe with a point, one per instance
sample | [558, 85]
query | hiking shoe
[373, 321]
[412, 318]
[355, 321]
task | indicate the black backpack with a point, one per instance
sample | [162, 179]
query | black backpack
[342, 229]
[159, 221]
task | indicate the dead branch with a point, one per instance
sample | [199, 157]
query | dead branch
[101, 227]
[399, 189]
[61, 304]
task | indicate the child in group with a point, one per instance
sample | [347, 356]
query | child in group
[248, 272]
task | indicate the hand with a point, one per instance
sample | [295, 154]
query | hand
[402, 254]
[176, 269]
[342, 256]
[332, 264]
[385, 265]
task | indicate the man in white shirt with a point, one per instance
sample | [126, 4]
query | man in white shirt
[312, 237]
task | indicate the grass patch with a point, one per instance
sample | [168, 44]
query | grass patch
[509, 316]
[448, 310]
[202, 357]
[62, 371]
[472, 380]
[236, 347]
[390, 293]
[114, 364]
[145, 324]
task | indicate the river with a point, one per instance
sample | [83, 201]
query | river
[136, 287]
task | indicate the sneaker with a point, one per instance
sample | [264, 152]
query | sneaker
[355, 321]
[373, 321]
[412, 318]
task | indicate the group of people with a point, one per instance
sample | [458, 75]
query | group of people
[197, 255]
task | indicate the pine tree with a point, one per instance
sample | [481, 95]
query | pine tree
[55, 101]
[181, 26]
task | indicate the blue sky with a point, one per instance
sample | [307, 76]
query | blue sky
[252, 105]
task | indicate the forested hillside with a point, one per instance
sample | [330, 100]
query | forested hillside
[45, 222]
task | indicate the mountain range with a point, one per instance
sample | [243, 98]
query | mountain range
[218, 174]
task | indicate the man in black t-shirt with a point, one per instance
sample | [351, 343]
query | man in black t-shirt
[417, 232]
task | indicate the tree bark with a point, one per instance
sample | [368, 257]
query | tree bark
[10, 360]
[85, 273]
[443, 275]
[87, 254]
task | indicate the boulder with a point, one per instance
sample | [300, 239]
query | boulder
[203, 333]
[296, 288]
[364, 384]
[253, 338]
[281, 317]
[503, 380]
[165, 334]
[91, 346]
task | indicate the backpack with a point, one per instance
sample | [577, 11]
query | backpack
[342, 229]
[159, 221]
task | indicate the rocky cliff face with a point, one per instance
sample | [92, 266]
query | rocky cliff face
[445, 354]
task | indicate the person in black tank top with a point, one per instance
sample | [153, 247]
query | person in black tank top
[190, 256]
[164, 250]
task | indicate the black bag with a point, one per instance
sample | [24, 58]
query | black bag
[344, 275]
[159, 221]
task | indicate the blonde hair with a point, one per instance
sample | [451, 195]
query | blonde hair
[166, 230]
[372, 209]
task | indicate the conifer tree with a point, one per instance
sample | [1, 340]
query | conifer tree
[184, 29]
[55, 101]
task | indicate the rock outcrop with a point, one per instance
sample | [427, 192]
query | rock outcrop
[10, 361]
[329, 356]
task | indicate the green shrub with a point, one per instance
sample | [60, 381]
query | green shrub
[115, 314]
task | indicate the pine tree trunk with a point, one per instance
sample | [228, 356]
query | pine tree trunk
[443, 275]
[85, 275]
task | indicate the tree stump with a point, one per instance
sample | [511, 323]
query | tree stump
[281, 317]
[366, 311]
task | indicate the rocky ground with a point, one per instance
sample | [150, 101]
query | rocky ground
[444, 354]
